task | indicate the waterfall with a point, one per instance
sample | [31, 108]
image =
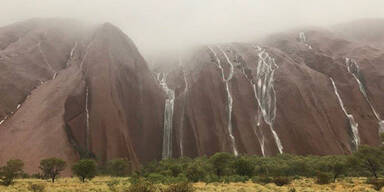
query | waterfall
[168, 116]
[353, 124]
[354, 69]
[2, 121]
[303, 39]
[46, 61]
[87, 129]
[257, 130]
[265, 93]
[229, 96]
[71, 54]
[182, 115]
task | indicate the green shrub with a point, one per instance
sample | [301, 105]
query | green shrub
[10, 171]
[211, 178]
[118, 167]
[156, 178]
[180, 187]
[262, 179]
[377, 183]
[85, 169]
[141, 186]
[52, 167]
[36, 187]
[220, 163]
[195, 173]
[280, 181]
[243, 167]
[323, 178]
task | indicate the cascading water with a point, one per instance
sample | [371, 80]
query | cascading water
[353, 124]
[87, 131]
[229, 96]
[265, 94]
[181, 138]
[2, 121]
[87, 127]
[71, 54]
[46, 61]
[303, 39]
[168, 116]
[354, 69]
[256, 129]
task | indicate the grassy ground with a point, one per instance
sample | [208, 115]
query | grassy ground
[108, 184]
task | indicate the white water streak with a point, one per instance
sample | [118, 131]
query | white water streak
[71, 54]
[87, 129]
[168, 116]
[303, 39]
[353, 124]
[182, 115]
[259, 115]
[265, 92]
[229, 96]
[46, 61]
[2, 121]
[354, 69]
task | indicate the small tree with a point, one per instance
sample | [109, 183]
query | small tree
[10, 171]
[368, 158]
[336, 165]
[243, 167]
[195, 172]
[220, 162]
[118, 167]
[52, 167]
[85, 169]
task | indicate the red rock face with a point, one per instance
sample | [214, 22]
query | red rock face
[82, 93]
[74, 91]
[309, 117]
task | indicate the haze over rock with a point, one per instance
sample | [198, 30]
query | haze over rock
[71, 90]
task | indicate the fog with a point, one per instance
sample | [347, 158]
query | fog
[160, 25]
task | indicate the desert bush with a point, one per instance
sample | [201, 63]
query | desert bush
[36, 187]
[141, 185]
[377, 183]
[243, 167]
[211, 178]
[156, 178]
[52, 167]
[220, 163]
[10, 171]
[281, 180]
[85, 169]
[195, 173]
[368, 158]
[323, 178]
[118, 167]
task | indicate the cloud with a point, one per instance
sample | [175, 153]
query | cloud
[158, 25]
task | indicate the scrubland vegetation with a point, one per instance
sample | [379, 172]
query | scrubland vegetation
[360, 171]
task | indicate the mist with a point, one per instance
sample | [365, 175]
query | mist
[159, 26]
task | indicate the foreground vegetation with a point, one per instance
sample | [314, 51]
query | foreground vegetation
[360, 171]
[111, 184]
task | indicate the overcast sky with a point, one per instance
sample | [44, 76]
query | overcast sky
[156, 25]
